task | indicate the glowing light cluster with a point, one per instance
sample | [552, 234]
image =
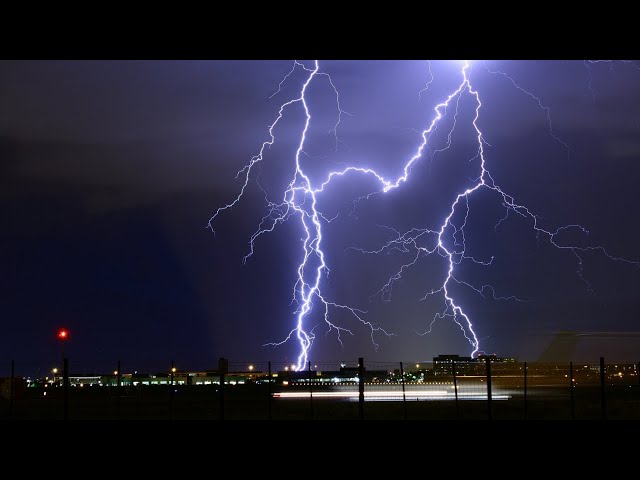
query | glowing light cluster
[300, 199]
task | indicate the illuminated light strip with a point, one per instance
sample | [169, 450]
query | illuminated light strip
[390, 394]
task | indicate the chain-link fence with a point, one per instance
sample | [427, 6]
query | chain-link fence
[485, 388]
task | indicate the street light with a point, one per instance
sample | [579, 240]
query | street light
[63, 336]
[251, 368]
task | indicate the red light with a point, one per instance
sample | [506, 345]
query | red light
[63, 334]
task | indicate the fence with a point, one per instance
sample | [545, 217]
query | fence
[448, 389]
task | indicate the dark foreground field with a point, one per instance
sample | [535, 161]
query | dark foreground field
[251, 402]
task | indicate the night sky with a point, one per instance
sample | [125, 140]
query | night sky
[110, 171]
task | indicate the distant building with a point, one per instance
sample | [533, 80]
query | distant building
[450, 358]
[344, 375]
[442, 364]
[494, 358]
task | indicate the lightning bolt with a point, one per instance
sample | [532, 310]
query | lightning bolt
[300, 199]
[588, 65]
[541, 105]
[429, 82]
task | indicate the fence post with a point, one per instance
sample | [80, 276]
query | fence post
[573, 413]
[602, 389]
[455, 386]
[310, 391]
[489, 413]
[65, 388]
[361, 387]
[404, 396]
[525, 390]
[11, 388]
[118, 389]
[171, 390]
[222, 367]
[269, 390]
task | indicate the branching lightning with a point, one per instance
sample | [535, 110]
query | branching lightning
[300, 200]
[447, 239]
[588, 65]
[541, 105]
[429, 82]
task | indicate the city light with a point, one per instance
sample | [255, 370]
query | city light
[115, 372]
[250, 368]
[54, 371]
[173, 369]
[63, 334]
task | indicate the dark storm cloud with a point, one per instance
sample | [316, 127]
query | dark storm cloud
[140, 129]
[110, 171]
[108, 175]
[148, 128]
[126, 100]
